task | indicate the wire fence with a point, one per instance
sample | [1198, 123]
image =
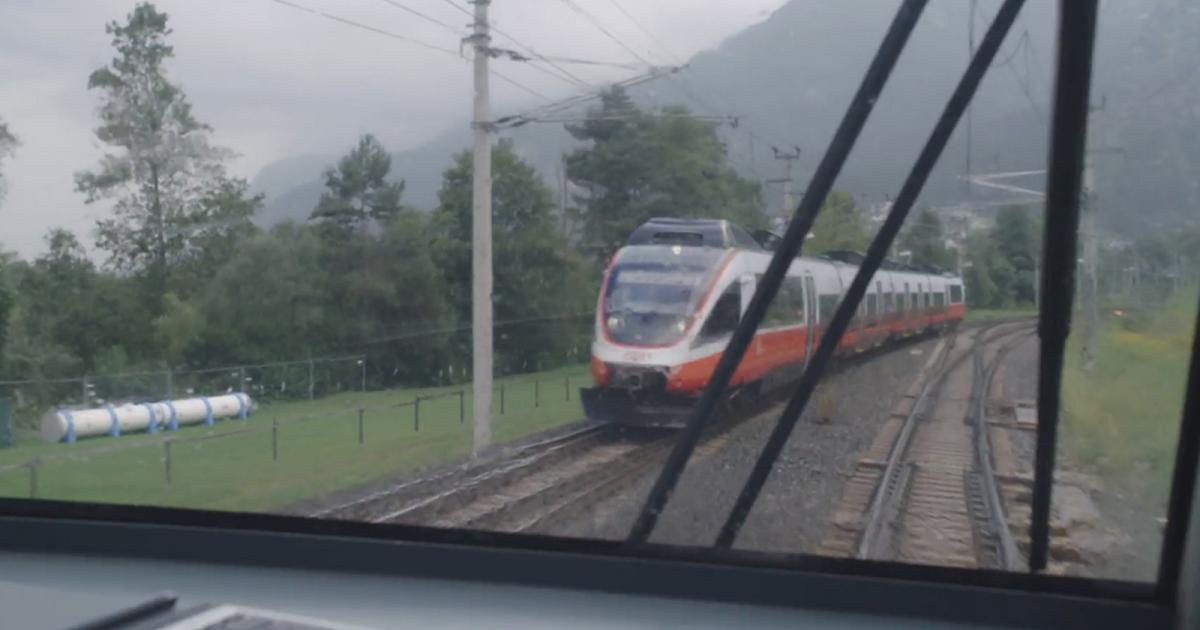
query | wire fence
[249, 450]
[283, 380]
[384, 363]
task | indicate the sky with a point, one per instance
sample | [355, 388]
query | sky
[275, 81]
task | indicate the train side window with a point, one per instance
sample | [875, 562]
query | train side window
[827, 304]
[795, 290]
[724, 316]
[787, 307]
[872, 307]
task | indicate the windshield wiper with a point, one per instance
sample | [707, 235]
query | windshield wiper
[789, 246]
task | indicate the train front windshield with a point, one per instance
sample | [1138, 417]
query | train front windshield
[653, 291]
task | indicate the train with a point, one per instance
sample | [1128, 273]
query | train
[672, 296]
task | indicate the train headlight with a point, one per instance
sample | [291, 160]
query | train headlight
[615, 322]
[680, 325]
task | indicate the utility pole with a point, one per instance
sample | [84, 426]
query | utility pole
[1087, 225]
[1090, 299]
[481, 238]
[789, 202]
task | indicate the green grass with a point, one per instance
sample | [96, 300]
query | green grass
[317, 444]
[994, 314]
[1122, 419]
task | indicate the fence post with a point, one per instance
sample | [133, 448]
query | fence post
[275, 439]
[363, 363]
[417, 414]
[167, 460]
[33, 477]
[360, 426]
[537, 393]
[311, 377]
[462, 408]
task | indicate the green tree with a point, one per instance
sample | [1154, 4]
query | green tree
[926, 240]
[1015, 237]
[539, 280]
[267, 302]
[358, 191]
[638, 165]
[179, 326]
[840, 225]
[8, 299]
[163, 174]
[8, 144]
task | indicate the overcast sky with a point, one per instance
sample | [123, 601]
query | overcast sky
[274, 81]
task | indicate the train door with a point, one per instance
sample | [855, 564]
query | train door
[810, 317]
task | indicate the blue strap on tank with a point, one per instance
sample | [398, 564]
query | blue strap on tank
[173, 424]
[208, 416]
[152, 421]
[241, 398]
[66, 414]
[115, 428]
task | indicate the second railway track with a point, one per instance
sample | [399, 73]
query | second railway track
[926, 493]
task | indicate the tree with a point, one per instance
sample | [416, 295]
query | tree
[179, 326]
[1015, 236]
[926, 241]
[267, 302]
[639, 165]
[358, 190]
[8, 144]
[167, 180]
[539, 279]
[838, 226]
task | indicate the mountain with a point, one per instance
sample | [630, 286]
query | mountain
[790, 77]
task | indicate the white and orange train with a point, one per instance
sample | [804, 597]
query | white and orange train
[673, 295]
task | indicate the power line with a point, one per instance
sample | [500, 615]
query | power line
[360, 25]
[596, 23]
[645, 31]
[403, 38]
[519, 85]
[563, 74]
[452, 29]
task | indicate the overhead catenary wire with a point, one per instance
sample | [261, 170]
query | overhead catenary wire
[404, 38]
[607, 33]
[366, 27]
[407, 9]
[558, 72]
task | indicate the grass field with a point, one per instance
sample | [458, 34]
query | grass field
[1122, 420]
[230, 467]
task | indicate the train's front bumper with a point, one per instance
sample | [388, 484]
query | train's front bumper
[622, 406]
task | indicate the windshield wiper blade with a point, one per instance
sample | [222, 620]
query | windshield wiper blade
[789, 247]
[876, 252]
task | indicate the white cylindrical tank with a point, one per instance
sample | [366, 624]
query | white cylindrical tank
[65, 424]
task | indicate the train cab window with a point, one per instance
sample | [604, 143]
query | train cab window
[725, 315]
[956, 294]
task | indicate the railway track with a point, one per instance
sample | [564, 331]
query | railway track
[544, 484]
[538, 486]
[927, 491]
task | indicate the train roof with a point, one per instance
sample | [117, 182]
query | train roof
[693, 232]
[725, 234]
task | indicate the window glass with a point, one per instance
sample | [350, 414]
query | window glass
[724, 316]
[238, 238]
